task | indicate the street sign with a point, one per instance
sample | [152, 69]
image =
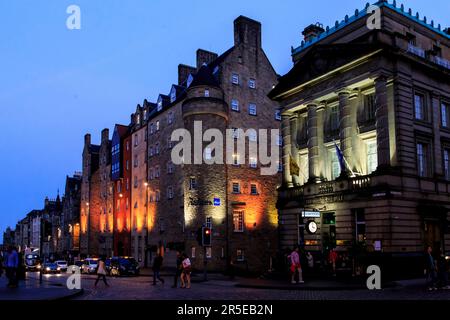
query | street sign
[217, 202]
[310, 214]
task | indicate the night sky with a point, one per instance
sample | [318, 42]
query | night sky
[57, 84]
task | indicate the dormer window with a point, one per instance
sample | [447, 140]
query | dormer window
[173, 95]
[145, 115]
[189, 80]
[138, 119]
[159, 104]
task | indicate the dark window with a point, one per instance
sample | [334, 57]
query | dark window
[369, 107]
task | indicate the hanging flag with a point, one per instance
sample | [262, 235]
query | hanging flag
[293, 167]
[340, 157]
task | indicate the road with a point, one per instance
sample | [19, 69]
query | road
[141, 288]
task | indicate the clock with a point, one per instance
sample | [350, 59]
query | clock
[311, 227]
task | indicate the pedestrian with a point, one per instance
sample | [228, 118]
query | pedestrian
[157, 264]
[179, 269]
[430, 269]
[12, 263]
[442, 271]
[295, 266]
[101, 272]
[310, 260]
[332, 258]
[186, 275]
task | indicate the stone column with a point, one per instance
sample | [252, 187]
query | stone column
[382, 122]
[436, 114]
[293, 124]
[286, 135]
[313, 143]
[320, 133]
[345, 126]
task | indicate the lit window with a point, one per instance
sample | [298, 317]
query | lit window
[238, 220]
[253, 189]
[252, 83]
[253, 162]
[445, 115]
[240, 255]
[252, 109]
[360, 222]
[235, 78]
[170, 118]
[234, 105]
[169, 192]
[447, 163]
[208, 154]
[372, 159]
[422, 159]
[157, 125]
[235, 159]
[335, 165]
[419, 107]
[192, 183]
[209, 222]
[278, 115]
[173, 95]
[236, 187]
[252, 135]
[206, 93]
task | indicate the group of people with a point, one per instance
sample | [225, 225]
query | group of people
[9, 262]
[183, 271]
[436, 270]
[295, 268]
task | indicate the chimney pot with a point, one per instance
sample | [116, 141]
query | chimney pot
[312, 31]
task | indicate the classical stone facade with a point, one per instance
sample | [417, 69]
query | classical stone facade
[379, 97]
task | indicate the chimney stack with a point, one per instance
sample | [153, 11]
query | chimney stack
[247, 31]
[87, 139]
[312, 31]
[105, 135]
[183, 72]
[204, 56]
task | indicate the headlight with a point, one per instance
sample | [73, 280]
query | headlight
[48, 269]
[39, 266]
[58, 268]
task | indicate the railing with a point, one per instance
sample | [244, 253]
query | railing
[416, 50]
[360, 183]
[442, 62]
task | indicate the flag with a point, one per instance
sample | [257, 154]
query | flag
[293, 167]
[340, 157]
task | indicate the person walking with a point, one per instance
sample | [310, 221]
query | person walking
[310, 260]
[179, 269]
[332, 258]
[157, 264]
[186, 275]
[101, 272]
[296, 266]
[12, 263]
[430, 269]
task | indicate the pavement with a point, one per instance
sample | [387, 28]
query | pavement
[31, 289]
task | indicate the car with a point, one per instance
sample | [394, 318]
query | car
[32, 262]
[89, 266]
[62, 264]
[50, 267]
[121, 266]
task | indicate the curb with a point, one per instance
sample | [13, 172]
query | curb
[312, 288]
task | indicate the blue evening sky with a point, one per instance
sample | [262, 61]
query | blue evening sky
[57, 84]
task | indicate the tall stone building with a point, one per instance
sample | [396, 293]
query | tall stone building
[71, 216]
[234, 200]
[96, 213]
[121, 175]
[380, 96]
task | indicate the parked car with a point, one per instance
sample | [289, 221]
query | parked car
[32, 262]
[50, 267]
[120, 266]
[89, 265]
[62, 264]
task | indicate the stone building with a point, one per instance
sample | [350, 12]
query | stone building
[9, 237]
[235, 200]
[71, 216]
[381, 98]
[96, 213]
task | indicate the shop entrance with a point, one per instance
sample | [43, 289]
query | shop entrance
[433, 235]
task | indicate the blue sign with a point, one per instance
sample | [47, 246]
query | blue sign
[217, 201]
